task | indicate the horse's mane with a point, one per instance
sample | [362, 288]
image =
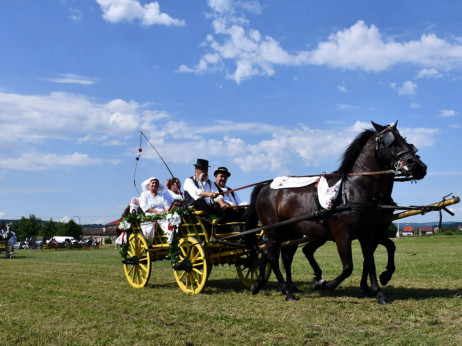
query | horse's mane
[351, 153]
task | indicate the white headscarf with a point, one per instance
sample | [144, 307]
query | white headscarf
[145, 185]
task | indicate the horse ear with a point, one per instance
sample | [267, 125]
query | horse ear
[395, 125]
[377, 127]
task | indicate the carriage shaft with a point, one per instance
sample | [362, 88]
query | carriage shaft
[424, 210]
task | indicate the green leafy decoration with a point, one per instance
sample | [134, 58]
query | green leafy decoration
[124, 250]
[174, 249]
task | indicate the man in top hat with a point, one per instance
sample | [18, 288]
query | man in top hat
[228, 202]
[198, 190]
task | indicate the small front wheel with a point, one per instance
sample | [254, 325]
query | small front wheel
[248, 272]
[191, 271]
[137, 264]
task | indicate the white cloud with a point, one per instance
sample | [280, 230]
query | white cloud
[242, 52]
[346, 107]
[342, 88]
[429, 73]
[420, 137]
[415, 105]
[252, 53]
[128, 10]
[407, 88]
[39, 162]
[75, 14]
[362, 47]
[73, 79]
[447, 113]
[59, 118]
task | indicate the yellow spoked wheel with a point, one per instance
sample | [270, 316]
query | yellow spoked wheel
[248, 272]
[192, 269]
[137, 264]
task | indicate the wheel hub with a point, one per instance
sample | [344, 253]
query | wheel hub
[184, 265]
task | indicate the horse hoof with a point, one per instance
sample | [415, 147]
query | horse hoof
[319, 285]
[384, 278]
[290, 297]
[255, 289]
[382, 299]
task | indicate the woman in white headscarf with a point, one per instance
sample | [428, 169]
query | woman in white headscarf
[152, 199]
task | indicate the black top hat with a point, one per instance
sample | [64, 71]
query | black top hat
[222, 170]
[201, 163]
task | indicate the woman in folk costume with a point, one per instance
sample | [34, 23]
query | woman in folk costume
[152, 199]
[174, 194]
[174, 188]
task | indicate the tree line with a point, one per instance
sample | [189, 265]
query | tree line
[33, 227]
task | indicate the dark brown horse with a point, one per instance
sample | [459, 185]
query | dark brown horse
[366, 169]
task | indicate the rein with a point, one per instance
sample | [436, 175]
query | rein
[390, 171]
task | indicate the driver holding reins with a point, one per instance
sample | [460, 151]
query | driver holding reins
[198, 190]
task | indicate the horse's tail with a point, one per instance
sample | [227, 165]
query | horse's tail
[251, 219]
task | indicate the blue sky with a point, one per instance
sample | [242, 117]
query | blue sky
[266, 88]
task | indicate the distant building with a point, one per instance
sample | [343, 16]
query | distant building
[101, 233]
[407, 230]
[425, 230]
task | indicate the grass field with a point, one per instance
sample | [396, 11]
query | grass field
[82, 297]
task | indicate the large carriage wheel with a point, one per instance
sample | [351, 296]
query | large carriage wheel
[248, 271]
[191, 272]
[137, 264]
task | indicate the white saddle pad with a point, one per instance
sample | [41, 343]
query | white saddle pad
[326, 194]
[292, 182]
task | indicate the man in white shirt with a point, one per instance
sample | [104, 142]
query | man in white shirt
[198, 190]
[229, 202]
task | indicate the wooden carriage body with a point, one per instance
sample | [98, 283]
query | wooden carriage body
[198, 248]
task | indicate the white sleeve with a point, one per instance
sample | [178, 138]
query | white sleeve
[166, 200]
[192, 189]
[168, 197]
[144, 205]
[215, 189]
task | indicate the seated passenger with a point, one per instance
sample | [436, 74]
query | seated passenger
[152, 199]
[174, 193]
[198, 189]
[227, 203]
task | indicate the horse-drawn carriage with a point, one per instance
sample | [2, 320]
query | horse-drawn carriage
[195, 248]
[361, 208]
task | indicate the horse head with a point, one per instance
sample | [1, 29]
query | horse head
[392, 149]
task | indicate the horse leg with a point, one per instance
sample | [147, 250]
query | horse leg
[385, 276]
[309, 249]
[344, 251]
[363, 284]
[368, 248]
[260, 281]
[271, 254]
[287, 256]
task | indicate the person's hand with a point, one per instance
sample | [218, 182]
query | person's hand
[214, 194]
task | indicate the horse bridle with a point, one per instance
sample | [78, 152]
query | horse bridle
[386, 138]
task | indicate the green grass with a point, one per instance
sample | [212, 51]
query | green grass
[82, 297]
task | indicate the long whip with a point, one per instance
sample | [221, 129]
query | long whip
[160, 156]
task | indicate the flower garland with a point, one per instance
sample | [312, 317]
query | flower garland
[174, 250]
